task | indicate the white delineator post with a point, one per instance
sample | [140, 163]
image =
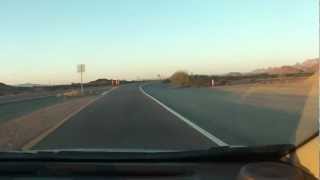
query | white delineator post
[81, 70]
[212, 83]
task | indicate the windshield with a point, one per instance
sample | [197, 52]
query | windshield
[165, 75]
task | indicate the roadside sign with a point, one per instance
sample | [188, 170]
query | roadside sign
[115, 83]
[81, 68]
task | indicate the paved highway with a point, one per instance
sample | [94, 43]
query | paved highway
[125, 119]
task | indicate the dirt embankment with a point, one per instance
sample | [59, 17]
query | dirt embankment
[277, 95]
[299, 86]
[17, 133]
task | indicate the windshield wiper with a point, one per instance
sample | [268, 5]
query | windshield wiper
[225, 153]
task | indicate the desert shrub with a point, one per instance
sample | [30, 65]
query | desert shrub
[166, 81]
[180, 78]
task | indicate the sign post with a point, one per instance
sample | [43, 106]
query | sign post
[81, 68]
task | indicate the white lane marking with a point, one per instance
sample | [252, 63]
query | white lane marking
[108, 91]
[213, 138]
[39, 138]
[104, 93]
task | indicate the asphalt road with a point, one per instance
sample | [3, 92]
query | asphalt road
[229, 117]
[125, 119]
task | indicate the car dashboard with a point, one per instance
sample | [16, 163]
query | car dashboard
[148, 170]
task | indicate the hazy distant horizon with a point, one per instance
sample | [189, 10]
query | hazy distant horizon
[140, 78]
[43, 41]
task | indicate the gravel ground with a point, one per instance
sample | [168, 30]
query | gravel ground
[16, 133]
[14, 110]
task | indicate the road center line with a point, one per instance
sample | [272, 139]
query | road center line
[213, 138]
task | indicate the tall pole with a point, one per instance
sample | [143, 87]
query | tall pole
[81, 70]
[81, 83]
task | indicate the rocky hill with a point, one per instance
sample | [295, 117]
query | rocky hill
[100, 82]
[308, 66]
[9, 90]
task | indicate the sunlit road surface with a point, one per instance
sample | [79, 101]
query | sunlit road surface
[125, 119]
[242, 118]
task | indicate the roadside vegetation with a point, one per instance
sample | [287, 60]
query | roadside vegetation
[282, 74]
[183, 79]
[180, 78]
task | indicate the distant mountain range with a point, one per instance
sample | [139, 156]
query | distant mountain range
[104, 82]
[308, 66]
[6, 89]
[100, 82]
[30, 85]
[4, 86]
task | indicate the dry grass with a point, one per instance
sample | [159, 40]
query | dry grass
[180, 78]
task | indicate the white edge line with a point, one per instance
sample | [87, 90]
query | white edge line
[187, 121]
[43, 135]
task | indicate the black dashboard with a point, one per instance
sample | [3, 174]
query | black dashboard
[144, 170]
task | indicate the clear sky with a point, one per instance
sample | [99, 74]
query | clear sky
[42, 41]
